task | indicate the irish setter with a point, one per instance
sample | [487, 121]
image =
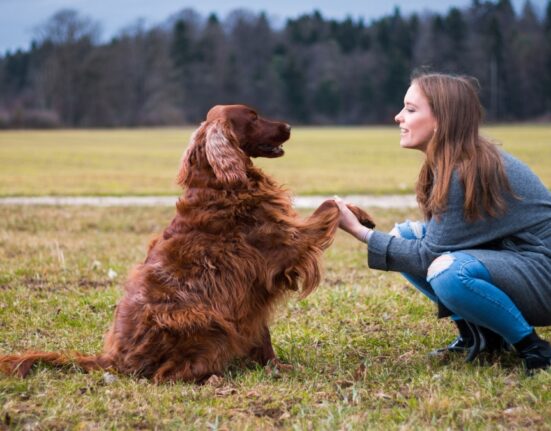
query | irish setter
[205, 292]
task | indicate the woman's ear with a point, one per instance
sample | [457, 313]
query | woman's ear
[225, 157]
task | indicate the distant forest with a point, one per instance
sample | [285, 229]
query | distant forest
[311, 70]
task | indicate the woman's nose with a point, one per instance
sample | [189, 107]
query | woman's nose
[397, 118]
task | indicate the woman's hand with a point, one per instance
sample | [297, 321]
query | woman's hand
[349, 223]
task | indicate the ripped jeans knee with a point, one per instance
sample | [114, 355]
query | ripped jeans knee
[439, 265]
[451, 276]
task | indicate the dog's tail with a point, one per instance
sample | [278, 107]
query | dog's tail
[21, 364]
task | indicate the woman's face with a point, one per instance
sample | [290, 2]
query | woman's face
[416, 121]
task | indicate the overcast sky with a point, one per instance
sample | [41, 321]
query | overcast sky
[19, 18]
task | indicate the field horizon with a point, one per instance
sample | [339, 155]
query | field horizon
[318, 160]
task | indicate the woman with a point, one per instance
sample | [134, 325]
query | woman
[484, 253]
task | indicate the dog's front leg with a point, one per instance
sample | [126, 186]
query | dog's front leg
[316, 234]
[321, 225]
[363, 217]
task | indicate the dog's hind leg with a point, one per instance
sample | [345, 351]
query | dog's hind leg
[195, 368]
[263, 353]
[187, 372]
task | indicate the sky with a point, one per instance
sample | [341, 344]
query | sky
[20, 18]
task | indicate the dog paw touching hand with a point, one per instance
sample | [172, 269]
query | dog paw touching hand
[363, 217]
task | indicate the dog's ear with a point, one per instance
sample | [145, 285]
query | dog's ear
[191, 155]
[225, 157]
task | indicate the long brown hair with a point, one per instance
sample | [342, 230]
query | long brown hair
[457, 145]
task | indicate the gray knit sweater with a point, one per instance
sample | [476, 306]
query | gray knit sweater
[515, 248]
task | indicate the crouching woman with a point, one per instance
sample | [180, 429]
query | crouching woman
[483, 253]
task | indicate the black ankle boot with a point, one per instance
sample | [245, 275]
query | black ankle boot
[535, 352]
[461, 344]
[485, 341]
[474, 340]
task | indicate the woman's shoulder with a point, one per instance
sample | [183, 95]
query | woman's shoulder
[507, 157]
[522, 178]
[514, 165]
[519, 174]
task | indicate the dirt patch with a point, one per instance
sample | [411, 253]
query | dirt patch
[387, 201]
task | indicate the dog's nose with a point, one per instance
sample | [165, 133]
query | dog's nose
[288, 127]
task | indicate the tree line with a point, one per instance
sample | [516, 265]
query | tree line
[311, 70]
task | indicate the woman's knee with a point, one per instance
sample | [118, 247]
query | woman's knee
[409, 230]
[441, 267]
[451, 273]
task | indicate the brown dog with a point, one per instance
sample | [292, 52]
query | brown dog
[206, 290]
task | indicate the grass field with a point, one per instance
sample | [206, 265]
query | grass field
[346, 160]
[358, 344]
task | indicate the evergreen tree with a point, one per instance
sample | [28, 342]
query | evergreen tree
[181, 50]
[311, 70]
[294, 84]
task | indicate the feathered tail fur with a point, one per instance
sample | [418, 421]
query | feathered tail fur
[21, 364]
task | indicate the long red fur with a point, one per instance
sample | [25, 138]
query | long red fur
[206, 291]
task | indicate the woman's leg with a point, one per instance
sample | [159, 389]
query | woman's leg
[463, 342]
[463, 284]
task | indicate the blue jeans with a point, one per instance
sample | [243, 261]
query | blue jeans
[462, 283]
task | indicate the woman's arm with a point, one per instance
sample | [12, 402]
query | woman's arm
[451, 232]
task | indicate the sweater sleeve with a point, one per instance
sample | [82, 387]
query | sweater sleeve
[397, 254]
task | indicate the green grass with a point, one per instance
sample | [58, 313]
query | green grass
[358, 344]
[345, 160]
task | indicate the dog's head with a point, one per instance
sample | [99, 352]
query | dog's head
[229, 136]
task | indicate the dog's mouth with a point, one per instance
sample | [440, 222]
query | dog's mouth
[271, 151]
[270, 147]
